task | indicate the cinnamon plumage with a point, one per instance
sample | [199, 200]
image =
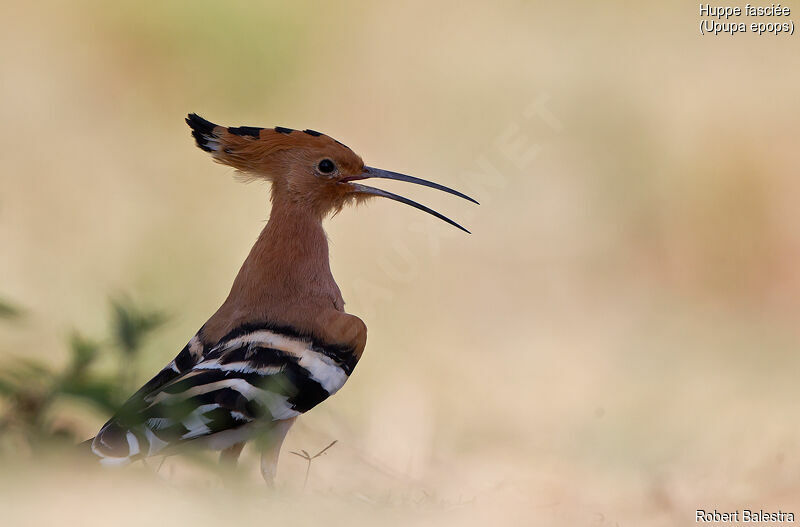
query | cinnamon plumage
[281, 343]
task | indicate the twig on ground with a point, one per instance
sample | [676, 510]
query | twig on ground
[309, 458]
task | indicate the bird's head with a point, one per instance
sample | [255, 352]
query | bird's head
[307, 168]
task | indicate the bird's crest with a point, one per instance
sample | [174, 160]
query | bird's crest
[247, 147]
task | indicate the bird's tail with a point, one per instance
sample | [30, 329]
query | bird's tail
[115, 444]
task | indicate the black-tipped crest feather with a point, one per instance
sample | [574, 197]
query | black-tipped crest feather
[202, 131]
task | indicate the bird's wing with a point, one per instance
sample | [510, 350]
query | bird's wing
[184, 361]
[253, 375]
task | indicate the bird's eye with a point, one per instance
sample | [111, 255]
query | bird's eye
[326, 166]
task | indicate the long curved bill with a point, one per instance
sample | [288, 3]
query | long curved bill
[370, 172]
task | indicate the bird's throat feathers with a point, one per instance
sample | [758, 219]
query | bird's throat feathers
[289, 259]
[286, 279]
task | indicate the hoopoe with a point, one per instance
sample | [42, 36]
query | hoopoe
[281, 343]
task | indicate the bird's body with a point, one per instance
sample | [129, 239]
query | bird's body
[281, 343]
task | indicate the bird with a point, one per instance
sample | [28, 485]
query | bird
[281, 343]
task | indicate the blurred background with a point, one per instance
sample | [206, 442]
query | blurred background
[615, 344]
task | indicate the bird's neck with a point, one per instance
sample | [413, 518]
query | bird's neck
[285, 278]
[289, 259]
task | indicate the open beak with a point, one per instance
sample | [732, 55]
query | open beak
[370, 172]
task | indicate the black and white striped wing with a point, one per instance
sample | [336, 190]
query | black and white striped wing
[252, 379]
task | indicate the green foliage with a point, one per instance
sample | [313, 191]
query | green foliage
[130, 325]
[9, 311]
[29, 388]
